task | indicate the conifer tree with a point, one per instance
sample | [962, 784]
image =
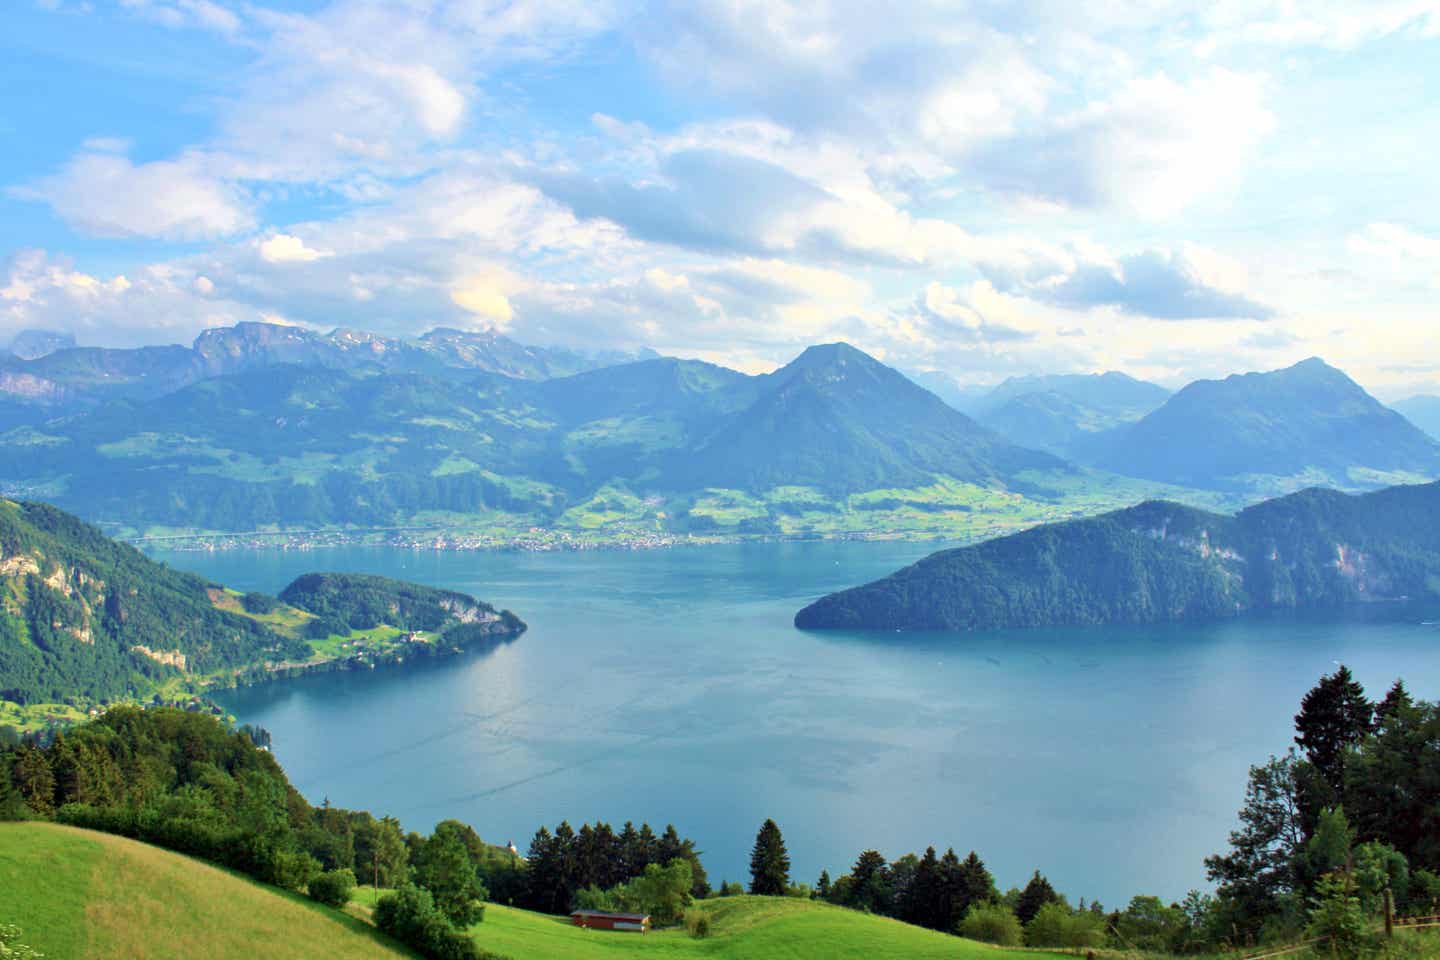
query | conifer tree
[1036, 894]
[822, 886]
[769, 862]
[1333, 716]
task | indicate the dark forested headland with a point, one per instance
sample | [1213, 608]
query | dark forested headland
[85, 620]
[1162, 561]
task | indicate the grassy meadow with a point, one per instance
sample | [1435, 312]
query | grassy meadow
[78, 895]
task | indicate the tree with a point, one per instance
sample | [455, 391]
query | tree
[1328, 850]
[446, 869]
[769, 862]
[381, 856]
[1333, 716]
[34, 779]
[333, 888]
[1260, 867]
[1036, 894]
[822, 886]
[1336, 916]
[1397, 702]
[871, 885]
[922, 901]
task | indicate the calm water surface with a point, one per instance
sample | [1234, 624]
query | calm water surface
[670, 686]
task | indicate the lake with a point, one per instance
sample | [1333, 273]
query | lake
[670, 686]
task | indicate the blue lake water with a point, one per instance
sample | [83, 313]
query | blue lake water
[670, 686]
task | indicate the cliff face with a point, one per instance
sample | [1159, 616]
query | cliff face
[1163, 562]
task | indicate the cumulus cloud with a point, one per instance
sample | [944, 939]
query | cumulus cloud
[1189, 283]
[105, 194]
[284, 248]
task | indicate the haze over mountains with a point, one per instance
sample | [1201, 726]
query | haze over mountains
[266, 426]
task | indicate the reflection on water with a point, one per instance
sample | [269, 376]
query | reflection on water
[670, 686]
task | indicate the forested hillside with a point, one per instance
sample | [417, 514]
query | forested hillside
[1162, 561]
[85, 619]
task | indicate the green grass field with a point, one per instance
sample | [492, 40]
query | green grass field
[79, 895]
[741, 928]
[752, 928]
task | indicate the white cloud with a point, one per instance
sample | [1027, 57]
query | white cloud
[284, 248]
[1401, 250]
[1153, 148]
[105, 194]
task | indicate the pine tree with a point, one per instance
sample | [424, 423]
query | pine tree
[769, 863]
[1036, 894]
[822, 886]
[1333, 716]
[1396, 704]
[976, 884]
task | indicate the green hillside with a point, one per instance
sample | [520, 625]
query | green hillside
[752, 928]
[1164, 562]
[79, 895]
[86, 620]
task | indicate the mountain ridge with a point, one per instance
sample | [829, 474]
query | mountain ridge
[1162, 561]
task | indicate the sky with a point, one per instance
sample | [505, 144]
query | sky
[1173, 189]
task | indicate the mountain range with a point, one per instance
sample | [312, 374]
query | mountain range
[47, 371]
[267, 427]
[1162, 561]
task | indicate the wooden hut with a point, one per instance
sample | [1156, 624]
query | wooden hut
[600, 920]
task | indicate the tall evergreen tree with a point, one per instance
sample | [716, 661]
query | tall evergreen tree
[922, 901]
[822, 886]
[769, 862]
[1036, 894]
[1333, 716]
[976, 884]
[1396, 703]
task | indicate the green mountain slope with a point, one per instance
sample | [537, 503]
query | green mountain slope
[79, 894]
[837, 419]
[1162, 562]
[1271, 432]
[652, 443]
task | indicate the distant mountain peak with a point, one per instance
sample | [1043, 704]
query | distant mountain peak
[35, 344]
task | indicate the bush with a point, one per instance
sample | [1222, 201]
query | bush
[1337, 918]
[410, 916]
[698, 923]
[333, 887]
[11, 947]
[1056, 926]
[993, 923]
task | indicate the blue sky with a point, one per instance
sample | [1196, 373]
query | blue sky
[1174, 189]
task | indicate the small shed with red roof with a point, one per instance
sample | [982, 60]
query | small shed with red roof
[600, 920]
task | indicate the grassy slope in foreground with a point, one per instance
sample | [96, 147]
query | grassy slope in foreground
[78, 894]
[753, 928]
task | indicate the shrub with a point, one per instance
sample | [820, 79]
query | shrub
[410, 916]
[698, 923]
[10, 946]
[1055, 926]
[333, 887]
[993, 923]
[1337, 917]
